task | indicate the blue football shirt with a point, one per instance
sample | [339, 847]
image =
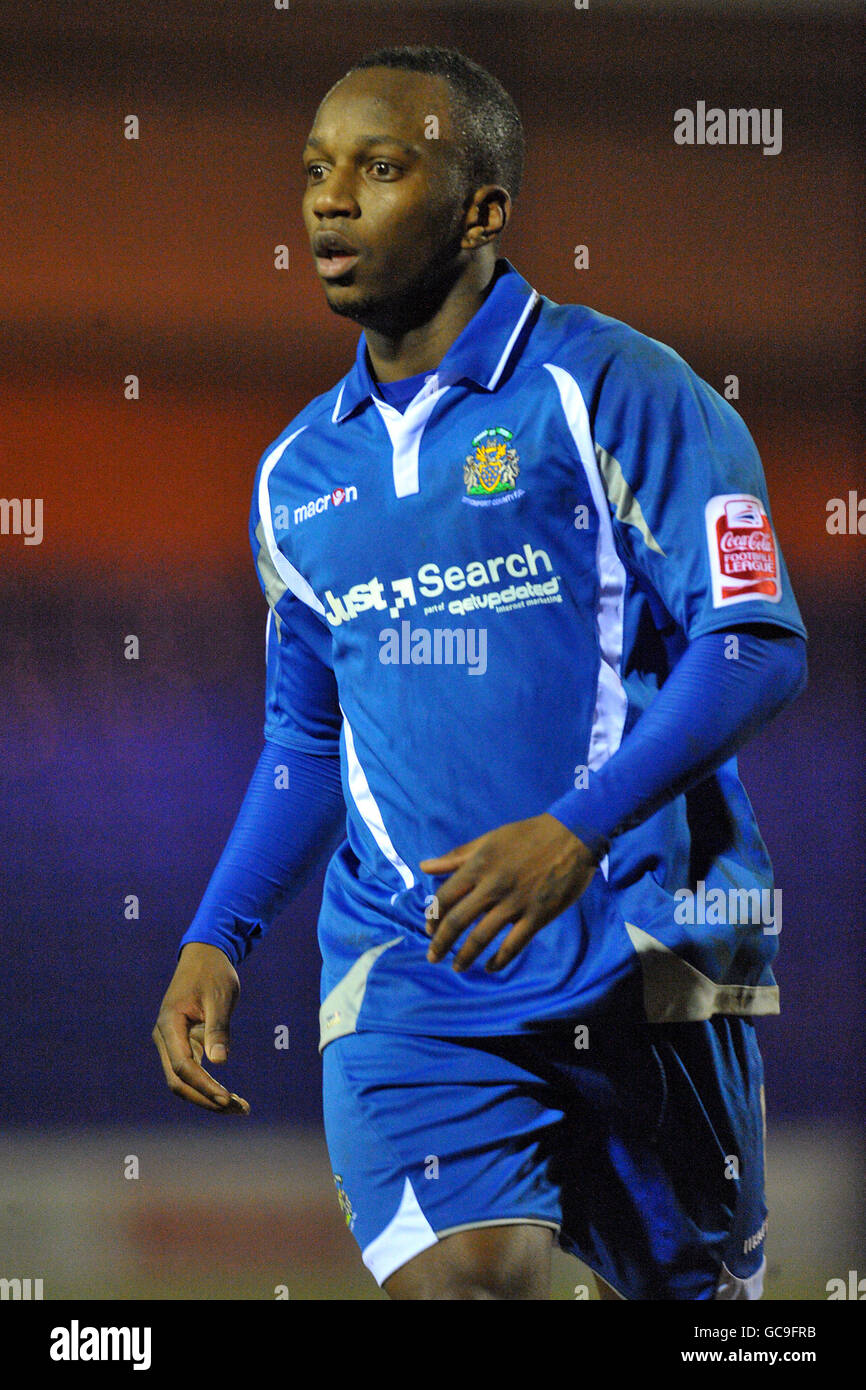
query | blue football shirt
[484, 590]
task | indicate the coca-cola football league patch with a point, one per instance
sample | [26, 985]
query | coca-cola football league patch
[744, 557]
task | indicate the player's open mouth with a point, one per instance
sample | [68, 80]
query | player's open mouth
[332, 267]
[334, 254]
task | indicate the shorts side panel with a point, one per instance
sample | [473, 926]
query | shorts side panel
[431, 1130]
[668, 1209]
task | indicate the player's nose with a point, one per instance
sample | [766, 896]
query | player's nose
[335, 196]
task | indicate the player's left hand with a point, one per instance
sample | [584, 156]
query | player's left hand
[526, 873]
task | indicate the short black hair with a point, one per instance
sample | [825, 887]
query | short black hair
[483, 112]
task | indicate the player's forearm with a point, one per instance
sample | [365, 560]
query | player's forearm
[291, 819]
[706, 710]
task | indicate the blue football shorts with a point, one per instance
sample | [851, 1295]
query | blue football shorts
[641, 1146]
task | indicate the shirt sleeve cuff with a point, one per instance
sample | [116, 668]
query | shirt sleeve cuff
[574, 812]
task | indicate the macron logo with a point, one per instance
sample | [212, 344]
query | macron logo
[319, 504]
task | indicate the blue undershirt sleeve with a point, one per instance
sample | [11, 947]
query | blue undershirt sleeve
[709, 706]
[291, 820]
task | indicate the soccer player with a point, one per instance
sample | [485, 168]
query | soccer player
[525, 603]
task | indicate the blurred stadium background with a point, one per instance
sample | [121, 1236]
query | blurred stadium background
[156, 257]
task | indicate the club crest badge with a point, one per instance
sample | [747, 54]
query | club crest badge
[490, 471]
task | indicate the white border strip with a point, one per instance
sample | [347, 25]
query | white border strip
[405, 1236]
[500, 366]
[611, 704]
[368, 808]
[291, 577]
[731, 1287]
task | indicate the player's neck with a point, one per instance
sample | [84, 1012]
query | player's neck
[397, 354]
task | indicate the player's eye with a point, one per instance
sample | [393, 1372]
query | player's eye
[384, 169]
[315, 172]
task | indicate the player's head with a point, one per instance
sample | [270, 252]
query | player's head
[413, 162]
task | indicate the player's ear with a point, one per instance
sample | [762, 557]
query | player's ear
[487, 215]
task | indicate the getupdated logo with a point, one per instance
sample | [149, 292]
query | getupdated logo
[744, 559]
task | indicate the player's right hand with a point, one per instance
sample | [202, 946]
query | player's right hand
[193, 1022]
